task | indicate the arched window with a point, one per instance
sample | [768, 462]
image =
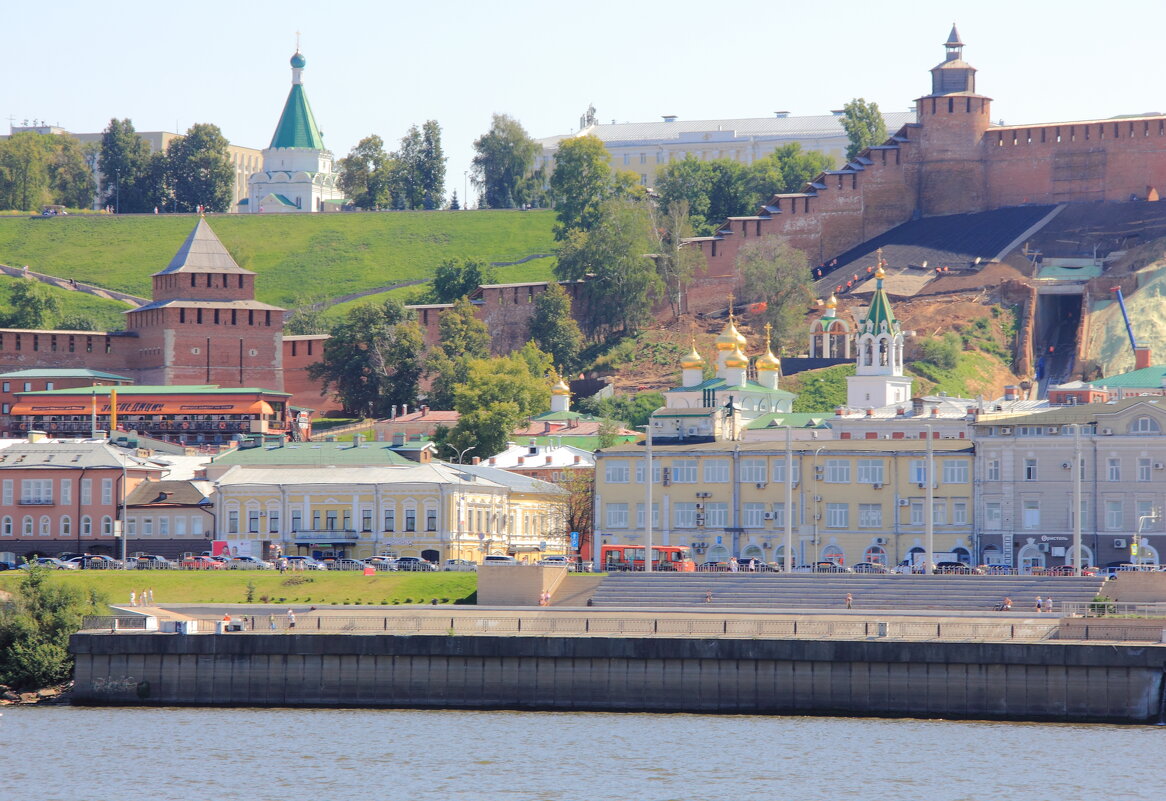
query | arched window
[26, 526]
[46, 526]
[6, 526]
[832, 553]
[1145, 425]
[107, 526]
[66, 526]
[962, 555]
[86, 526]
[753, 552]
[876, 554]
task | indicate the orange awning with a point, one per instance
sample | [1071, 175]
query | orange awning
[260, 407]
[177, 408]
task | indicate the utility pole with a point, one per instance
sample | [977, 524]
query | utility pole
[929, 563]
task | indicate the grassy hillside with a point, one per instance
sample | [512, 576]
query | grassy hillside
[231, 586]
[107, 315]
[296, 256]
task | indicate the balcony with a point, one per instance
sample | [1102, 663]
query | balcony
[35, 502]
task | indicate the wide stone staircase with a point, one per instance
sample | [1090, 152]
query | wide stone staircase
[828, 591]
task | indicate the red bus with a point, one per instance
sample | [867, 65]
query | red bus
[676, 558]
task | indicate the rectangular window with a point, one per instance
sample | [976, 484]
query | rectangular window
[316, 521]
[106, 491]
[617, 515]
[147, 526]
[1030, 469]
[754, 471]
[9, 490]
[132, 527]
[870, 471]
[993, 471]
[233, 522]
[410, 519]
[273, 521]
[1113, 469]
[196, 526]
[431, 520]
[66, 490]
[1030, 510]
[331, 519]
[716, 471]
[297, 520]
[959, 513]
[641, 468]
[918, 471]
[716, 515]
[163, 526]
[779, 470]
[179, 526]
[779, 515]
[916, 513]
[993, 517]
[955, 471]
[390, 520]
[837, 471]
[366, 519]
[655, 516]
[753, 515]
[253, 522]
[684, 471]
[685, 515]
[86, 491]
[870, 515]
[939, 513]
[837, 515]
[1144, 468]
[1113, 515]
[616, 471]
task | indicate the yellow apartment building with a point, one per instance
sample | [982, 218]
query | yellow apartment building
[851, 500]
[436, 511]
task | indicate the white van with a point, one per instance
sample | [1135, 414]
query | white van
[499, 560]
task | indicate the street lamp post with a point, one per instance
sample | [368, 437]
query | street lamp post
[648, 498]
[929, 564]
[1077, 498]
[461, 454]
[789, 499]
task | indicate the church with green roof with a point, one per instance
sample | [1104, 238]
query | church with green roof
[298, 173]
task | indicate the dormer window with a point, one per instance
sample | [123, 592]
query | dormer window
[1145, 425]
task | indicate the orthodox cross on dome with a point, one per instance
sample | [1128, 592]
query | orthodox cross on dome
[297, 41]
[768, 329]
[731, 299]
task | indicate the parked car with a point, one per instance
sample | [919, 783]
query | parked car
[1070, 570]
[998, 570]
[248, 563]
[152, 562]
[97, 562]
[7, 565]
[830, 567]
[303, 563]
[957, 568]
[499, 560]
[344, 563]
[53, 563]
[713, 567]
[201, 563]
[557, 561]
[382, 562]
[462, 565]
[414, 563]
[871, 567]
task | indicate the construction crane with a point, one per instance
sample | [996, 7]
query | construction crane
[1125, 315]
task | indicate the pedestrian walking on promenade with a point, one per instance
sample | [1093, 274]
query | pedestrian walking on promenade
[1038, 603]
[849, 600]
[133, 598]
[151, 593]
[708, 597]
[1048, 603]
[271, 622]
[291, 619]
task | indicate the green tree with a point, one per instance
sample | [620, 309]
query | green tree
[463, 337]
[418, 176]
[631, 410]
[33, 305]
[455, 279]
[372, 359]
[582, 182]
[622, 282]
[124, 163]
[687, 181]
[199, 171]
[675, 263]
[497, 395]
[503, 160]
[307, 316]
[70, 179]
[787, 169]
[24, 161]
[777, 275]
[822, 390]
[365, 174]
[554, 330]
[76, 322]
[431, 168]
[35, 627]
[864, 126]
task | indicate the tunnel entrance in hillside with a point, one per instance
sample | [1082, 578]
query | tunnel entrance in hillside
[1054, 341]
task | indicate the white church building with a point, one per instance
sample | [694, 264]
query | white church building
[297, 173]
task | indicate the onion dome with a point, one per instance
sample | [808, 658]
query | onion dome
[561, 388]
[880, 273]
[736, 359]
[731, 338]
[767, 361]
[298, 61]
[693, 361]
[832, 303]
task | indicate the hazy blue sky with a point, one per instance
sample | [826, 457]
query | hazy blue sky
[378, 67]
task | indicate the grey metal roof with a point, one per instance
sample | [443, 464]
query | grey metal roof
[65, 455]
[182, 303]
[202, 252]
[706, 132]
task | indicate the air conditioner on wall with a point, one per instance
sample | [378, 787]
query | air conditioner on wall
[1119, 543]
[904, 502]
[1066, 465]
[817, 498]
[922, 485]
[769, 515]
[1108, 432]
[877, 486]
[1159, 466]
[880, 540]
[760, 485]
[1043, 547]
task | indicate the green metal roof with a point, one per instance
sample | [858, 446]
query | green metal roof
[376, 454]
[297, 126]
[57, 372]
[798, 420]
[720, 386]
[1146, 378]
[880, 309]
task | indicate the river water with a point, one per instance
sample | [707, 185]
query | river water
[116, 754]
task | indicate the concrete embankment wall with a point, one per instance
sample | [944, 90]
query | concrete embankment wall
[1045, 681]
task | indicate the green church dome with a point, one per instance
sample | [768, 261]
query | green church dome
[298, 61]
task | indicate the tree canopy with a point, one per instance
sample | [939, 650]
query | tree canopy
[554, 330]
[503, 160]
[582, 182]
[615, 258]
[864, 126]
[199, 171]
[777, 276]
[411, 178]
[372, 360]
[455, 279]
[365, 174]
[36, 169]
[125, 167]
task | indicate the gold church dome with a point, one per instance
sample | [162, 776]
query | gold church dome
[767, 361]
[832, 303]
[693, 360]
[561, 388]
[736, 359]
[731, 338]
